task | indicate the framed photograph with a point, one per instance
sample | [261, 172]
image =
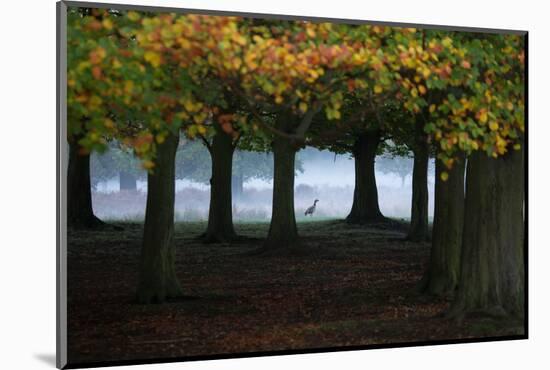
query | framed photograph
[234, 184]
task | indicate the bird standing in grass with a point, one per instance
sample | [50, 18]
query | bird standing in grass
[311, 209]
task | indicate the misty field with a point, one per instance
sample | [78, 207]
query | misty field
[192, 202]
[351, 286]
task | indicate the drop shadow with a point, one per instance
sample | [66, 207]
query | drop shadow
[47, 358]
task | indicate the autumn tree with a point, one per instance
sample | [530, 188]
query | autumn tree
[492, 262]
[361, 132]
[300, 70]
[81, 104]
[126, 88]
[476, 106]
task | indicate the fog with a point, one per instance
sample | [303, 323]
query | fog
[320, 175]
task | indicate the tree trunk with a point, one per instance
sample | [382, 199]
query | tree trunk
[492, 263]
[283, 233]
[365, 208]
[80, 214]
[127, 181]
[441, 277]
[418, 230]
[237, 187]
[157, 275]
[220, 217]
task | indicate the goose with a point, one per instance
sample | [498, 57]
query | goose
[311, 209]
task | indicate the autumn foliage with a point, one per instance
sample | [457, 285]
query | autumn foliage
[136, 76]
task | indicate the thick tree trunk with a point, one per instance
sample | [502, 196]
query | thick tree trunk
[441, 277]
[492, 263]
[418, 230]
[365, 208]
[283, 233]
[80, 214]
[220, 218]
[127, 181]
[157, 275]
[237, 185]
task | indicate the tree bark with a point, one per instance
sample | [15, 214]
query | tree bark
[127, 181]
[80, 214]
[365, 208]
[157, 274]
[441, 276]
[418, 229]
[492, 263]
[220, 217]
[283, 233]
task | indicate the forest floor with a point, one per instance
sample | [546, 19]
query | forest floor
[356, 288]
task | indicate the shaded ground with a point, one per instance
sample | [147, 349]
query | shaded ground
[357, 288]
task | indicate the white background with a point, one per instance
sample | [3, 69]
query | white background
[27, 183]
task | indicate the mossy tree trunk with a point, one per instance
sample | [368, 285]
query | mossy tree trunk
[418, 229]
[441, 276]
[365, 208]
[220, 217]
[492, 263]
[80, 214]
[157, 274]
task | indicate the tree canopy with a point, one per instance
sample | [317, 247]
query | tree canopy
[138, 76]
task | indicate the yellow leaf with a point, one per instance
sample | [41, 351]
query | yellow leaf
[483, 117]
[517, 146]
[493, 126]
[160, 138]
[128, 86]
[116, 64]
[153, 58]
[422, 89]
[432, 108]
[303, 107]
[377, 89]
[109, 123]
[426, 73]
[133, 16]
[108, 24]
[444, 176]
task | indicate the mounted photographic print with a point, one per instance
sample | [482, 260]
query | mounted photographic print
[234, 185]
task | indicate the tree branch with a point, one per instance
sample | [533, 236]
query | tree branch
[308, 119]
[260, 119]
[206, 143]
